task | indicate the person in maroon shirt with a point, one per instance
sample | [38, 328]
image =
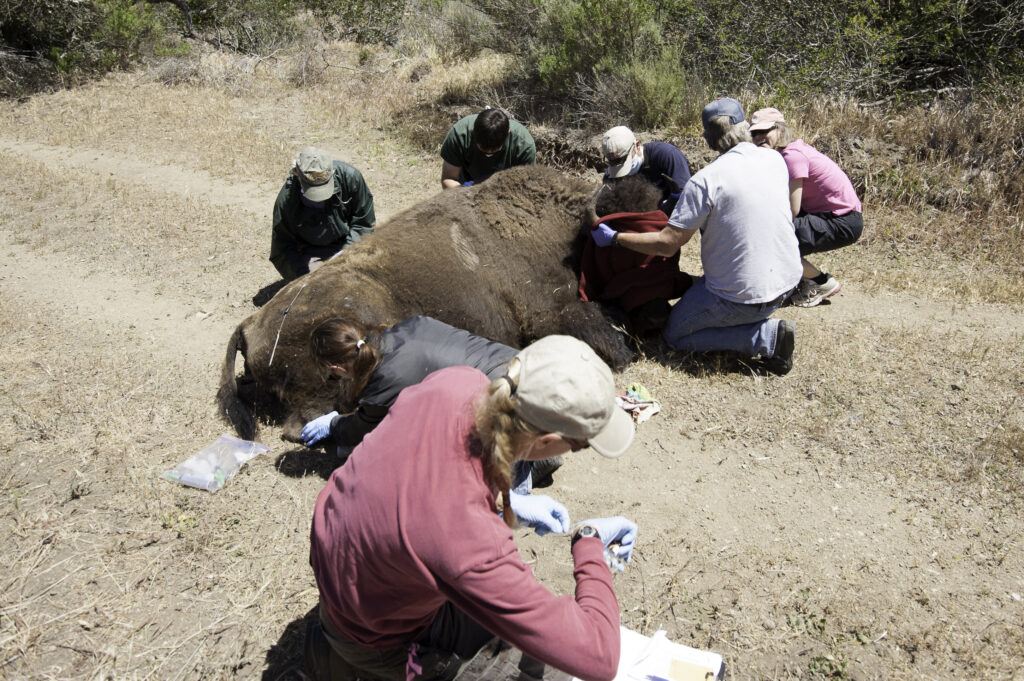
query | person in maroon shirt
[417, 568]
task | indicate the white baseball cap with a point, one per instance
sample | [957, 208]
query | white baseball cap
[619, 149]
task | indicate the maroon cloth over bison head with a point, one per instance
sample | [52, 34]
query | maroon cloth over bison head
[626, 278]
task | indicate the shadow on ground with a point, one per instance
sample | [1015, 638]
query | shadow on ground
[697, 364]
[284, 659]
[264, 295]
[301, 462]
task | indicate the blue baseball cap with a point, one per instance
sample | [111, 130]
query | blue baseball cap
[724, 106]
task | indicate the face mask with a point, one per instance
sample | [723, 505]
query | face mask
[638, 162]
[312, 204]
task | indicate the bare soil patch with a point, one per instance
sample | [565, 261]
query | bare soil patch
[859, 518]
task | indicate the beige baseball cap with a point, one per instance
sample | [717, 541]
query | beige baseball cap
[563, 387]
[765, 119]
[619, 148]
[315, 170]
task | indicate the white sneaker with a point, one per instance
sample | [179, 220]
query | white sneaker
[810, 294]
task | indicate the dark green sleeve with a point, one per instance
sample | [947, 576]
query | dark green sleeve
[455, 146]
[526, 149]
[361, 218]
[282, 243]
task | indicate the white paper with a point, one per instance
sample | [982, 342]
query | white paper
[655, 658]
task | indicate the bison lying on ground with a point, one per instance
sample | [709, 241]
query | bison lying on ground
[499, 260]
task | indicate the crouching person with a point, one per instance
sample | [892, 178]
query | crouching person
[323, 207]
[416, 569]
[826, 210]
[376, 364]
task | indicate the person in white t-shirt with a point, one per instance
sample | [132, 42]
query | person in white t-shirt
[749, 252]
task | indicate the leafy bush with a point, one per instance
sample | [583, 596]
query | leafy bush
[587, 37]
[644, 94]
[50, 41]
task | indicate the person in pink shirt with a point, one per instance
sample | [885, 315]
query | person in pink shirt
[826, 211]
[417, 567]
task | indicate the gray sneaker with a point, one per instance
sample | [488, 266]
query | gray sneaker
[809, 294]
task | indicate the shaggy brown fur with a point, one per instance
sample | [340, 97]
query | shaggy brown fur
[633, 193]
[499, 260]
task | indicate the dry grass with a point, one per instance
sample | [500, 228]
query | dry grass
[116, 574]
[961, 158]
[858, 519]
[149, 228]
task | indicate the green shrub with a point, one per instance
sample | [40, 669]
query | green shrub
[644, 94]
[124, 32]
[467, 31]
[50, 41]
[456, 29]
[581, 38]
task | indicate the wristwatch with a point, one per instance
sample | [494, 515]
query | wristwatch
[585, 531]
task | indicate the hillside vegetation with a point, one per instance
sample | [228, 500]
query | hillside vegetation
[860, 518]
[920, 102]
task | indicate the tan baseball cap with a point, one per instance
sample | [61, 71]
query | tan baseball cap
[765, 119]
[563, 387]
[315, 170]
[619, 148]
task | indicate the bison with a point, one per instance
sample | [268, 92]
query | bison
[499, 260]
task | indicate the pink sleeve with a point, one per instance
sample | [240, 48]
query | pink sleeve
[797, 163]
[578, 635]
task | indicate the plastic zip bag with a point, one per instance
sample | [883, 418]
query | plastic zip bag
[215, 464]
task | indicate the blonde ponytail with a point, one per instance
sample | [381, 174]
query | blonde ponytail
[503, 434]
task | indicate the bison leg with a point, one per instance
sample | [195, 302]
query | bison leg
[588, 322]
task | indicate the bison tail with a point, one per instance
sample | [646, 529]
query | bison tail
[232, 408]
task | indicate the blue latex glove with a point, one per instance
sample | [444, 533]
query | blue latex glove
[542, 513]
[618, 535]
[603, 235]
[467, 183]
[317, 429]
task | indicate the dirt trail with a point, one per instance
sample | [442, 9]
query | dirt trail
[185, 182]
[830, 524]
[173, 328]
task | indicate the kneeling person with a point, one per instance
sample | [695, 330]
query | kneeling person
[740, 204]
[323, 207]
[826, 211]
[377, 364]
[415, 567]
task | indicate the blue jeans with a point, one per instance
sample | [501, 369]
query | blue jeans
[704, 322]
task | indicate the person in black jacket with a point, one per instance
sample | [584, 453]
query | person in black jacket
[380, 363]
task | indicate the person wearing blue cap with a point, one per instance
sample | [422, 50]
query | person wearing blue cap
[749, 252]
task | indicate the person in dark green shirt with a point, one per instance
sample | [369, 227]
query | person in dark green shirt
[480, 145]
[323, 206]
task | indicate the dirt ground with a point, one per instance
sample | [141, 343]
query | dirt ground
[859, 518]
